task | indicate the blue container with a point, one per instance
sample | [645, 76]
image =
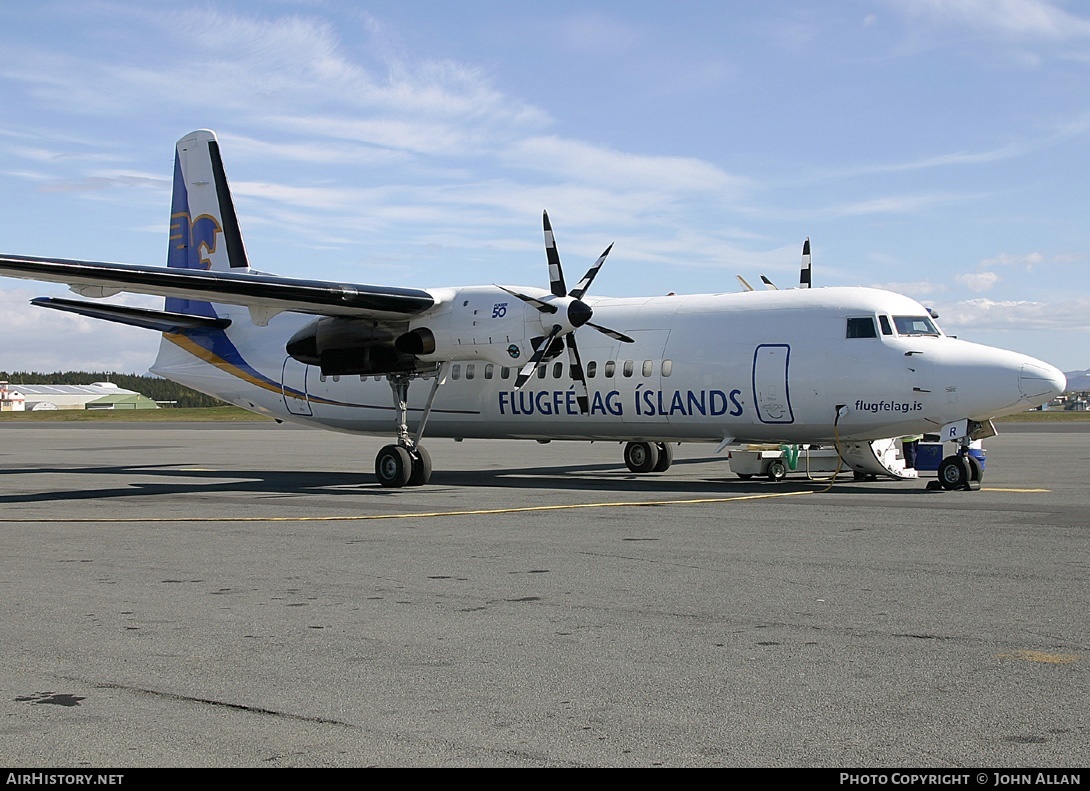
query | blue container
[928, 455]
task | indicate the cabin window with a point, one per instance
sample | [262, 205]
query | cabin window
[648, 367]
[321, 377]
[611, 367]
[505, 372]
[592, 369]
[862, 328]
[336, 377]
[629, 367]
[914, 325]
[470, 371]
[884, 321]
[488, 369]
[558, 370]
[456, 371]
[542, 371]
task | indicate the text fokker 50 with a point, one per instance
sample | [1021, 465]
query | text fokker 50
[854, 367]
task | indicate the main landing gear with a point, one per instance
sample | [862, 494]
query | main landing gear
[407, 463]
[648, 456]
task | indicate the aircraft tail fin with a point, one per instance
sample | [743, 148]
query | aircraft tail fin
[204, 230]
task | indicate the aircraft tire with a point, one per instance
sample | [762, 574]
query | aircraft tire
[954, 473]
[666, 456]
[641, 456]
[976, 471]
[421, 466]
[393, 466]
[777, 471]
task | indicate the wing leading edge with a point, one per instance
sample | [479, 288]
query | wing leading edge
[264, 294]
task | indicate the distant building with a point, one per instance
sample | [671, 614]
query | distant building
[100, 395]
[11, 399]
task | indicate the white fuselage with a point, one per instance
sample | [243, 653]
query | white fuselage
[753, 366]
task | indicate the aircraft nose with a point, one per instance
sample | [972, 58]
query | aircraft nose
[1039, 381]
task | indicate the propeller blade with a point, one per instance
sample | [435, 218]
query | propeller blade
[556, 273]
[588, 278]
[577, 375]
[617, 336]
[804, 275]
[544, 307]
[531, 366]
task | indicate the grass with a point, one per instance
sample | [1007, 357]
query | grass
[1053, 416]
[214, 414]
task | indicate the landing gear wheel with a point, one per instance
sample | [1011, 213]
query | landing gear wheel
[976, 472]
[954, 473]
[641, 456]
[421, 466]
[393, 466]
[777, 471]
[666, 457]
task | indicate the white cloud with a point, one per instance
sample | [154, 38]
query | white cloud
[1028, 261]
[1041, 19]
[892, 204]
[978, 281]
[42, 340]
[595, 164]
[1019, 315]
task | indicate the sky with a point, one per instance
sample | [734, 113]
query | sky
[937, 148]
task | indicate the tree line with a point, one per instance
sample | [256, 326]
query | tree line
[154, 387]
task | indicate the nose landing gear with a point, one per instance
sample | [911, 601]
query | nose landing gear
[960, 471]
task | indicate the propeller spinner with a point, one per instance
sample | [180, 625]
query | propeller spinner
[568, 312]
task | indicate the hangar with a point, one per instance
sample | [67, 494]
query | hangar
[100, 395]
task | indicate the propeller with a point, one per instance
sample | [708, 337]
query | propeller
[804, 273]
[567, 312]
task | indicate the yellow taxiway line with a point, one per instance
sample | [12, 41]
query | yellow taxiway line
[422, 515]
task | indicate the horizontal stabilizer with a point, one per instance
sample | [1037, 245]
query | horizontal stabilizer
[159, 320]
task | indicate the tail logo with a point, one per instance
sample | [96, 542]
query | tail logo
[193, 242]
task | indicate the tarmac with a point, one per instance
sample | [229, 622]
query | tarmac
[247, 596]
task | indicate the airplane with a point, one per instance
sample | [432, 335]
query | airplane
[852, 367]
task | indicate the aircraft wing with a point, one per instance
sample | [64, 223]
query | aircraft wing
[265, 295]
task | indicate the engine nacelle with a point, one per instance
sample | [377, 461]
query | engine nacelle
[345, 346]
[481, 323]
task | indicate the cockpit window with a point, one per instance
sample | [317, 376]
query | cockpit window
[862, 328]
[915, 325]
